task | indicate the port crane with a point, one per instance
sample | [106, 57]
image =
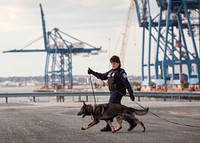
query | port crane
[176, 23]
[126, 32]
[59, 51]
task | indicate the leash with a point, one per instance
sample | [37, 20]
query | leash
[156, 115]
[166, 120]
[93, 90]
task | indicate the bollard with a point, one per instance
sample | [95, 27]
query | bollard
[57, 99]
[138, 98]
[60, 98]
[63, 98]
[33, 98]
[86, 98]
[6, 99]
[165, 98]
[190, 100]
[79, 99]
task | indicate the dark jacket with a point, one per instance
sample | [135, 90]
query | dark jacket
[117, 80]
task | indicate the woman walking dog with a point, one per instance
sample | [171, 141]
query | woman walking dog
[117, 84]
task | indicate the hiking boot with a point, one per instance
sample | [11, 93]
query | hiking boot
[106, 129]
[132, 126]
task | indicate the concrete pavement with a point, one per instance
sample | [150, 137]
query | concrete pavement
[58, 123]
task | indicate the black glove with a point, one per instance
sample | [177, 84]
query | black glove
[132, 97]
[90, 71]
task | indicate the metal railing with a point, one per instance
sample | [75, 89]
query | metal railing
[164, 95]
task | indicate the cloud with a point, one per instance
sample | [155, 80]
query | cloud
[15, 17]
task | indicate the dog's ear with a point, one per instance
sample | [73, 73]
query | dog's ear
[84, 103]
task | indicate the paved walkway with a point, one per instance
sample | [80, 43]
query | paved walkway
[58, 123]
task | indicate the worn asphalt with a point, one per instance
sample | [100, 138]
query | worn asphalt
[58, 123]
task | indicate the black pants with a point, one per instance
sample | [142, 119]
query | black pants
[115, 97]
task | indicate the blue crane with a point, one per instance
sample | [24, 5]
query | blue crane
[58, 65]
[175, 57]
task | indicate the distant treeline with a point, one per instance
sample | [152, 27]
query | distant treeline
[22, 79]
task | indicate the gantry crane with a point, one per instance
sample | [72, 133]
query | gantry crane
[58, 66]
[175, 56]
[126, 32]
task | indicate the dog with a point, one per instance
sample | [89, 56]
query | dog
[108, 112]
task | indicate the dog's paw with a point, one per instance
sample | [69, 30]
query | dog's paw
[114, 131]
[118, 129]
[83, 128]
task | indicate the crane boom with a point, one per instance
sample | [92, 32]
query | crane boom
[43, 27]
[126, 32]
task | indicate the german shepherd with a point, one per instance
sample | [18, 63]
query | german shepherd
[108, 112]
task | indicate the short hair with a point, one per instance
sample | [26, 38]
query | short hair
[115, 59]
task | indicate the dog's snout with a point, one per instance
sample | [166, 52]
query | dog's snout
[79, 113]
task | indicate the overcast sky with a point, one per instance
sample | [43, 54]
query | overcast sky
[92, 21]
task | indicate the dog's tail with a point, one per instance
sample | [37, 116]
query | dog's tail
[140, 112]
